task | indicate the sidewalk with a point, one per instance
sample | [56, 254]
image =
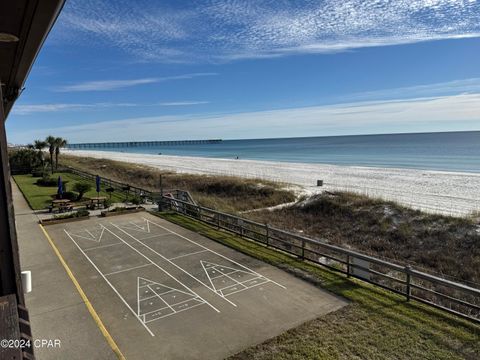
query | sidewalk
[56, 308]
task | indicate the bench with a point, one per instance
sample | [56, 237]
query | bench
[60, 206]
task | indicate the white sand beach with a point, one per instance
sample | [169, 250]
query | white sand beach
[450, 193]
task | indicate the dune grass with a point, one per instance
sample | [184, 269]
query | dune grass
[376, 325]
[443, 245]
[225, 193]
[39, 197]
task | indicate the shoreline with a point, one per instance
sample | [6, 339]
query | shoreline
[441, 192]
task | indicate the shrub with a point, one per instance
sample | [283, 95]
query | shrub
[82, 212]
[76, 214]
[47, 181]
[82, 188]
[122, 208]
[38, 172]
[136, 200]
[70, 195]
[23, 161]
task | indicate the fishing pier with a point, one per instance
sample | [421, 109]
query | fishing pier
[140, 144]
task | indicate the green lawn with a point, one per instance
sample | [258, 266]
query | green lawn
[39, 197]
[376, 325]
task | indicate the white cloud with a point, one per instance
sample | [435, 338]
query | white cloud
[106, 85]
[222, 30]
[455, 87]
[28, 109]
[183, 103]
[445, 113]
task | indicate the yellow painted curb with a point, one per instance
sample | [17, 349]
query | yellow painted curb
[87, 302]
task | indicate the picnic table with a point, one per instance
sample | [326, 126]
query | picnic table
[61, 205]
[96, 201]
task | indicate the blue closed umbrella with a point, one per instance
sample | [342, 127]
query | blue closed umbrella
[97, 182]
[60, 187]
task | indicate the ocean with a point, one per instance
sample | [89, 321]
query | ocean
[447, 151]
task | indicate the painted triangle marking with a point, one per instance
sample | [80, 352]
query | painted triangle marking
[215, 271]
[89, 236]
[135, 227]
[152, 292]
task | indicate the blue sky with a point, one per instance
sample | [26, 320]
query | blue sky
[154, 70]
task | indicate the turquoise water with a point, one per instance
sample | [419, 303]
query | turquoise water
[454, 151]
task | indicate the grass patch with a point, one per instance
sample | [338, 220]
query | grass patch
[224, 193]
[376, 325]
[40, 197]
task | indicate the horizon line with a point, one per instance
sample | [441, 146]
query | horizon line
[276, 138]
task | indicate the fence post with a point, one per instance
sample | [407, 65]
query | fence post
[303, 249]
[218, 221]
[348, 265]
[267, 232]
[408, 269]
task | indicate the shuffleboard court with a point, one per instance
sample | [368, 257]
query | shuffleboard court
[165, 292]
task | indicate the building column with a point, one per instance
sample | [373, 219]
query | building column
[10, 273]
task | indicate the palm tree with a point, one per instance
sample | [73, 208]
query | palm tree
[39, 145]
[59, 143]
[51, 143]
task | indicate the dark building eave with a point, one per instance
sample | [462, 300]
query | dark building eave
[30, 21]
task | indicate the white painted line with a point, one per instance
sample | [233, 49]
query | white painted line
[158, 266]
[138, 298]
[169, 291]
[153, 311]
[132, 268]
[179, 311]
[229, 286]
[216, 277]
[101, 246]
[171, 262]
[234, 280]
[216, 268]
[246, 288]
[109, 283]
[154, 236]
[89, 233]
[165, 286]
[150, 297]
[194, 253]
[204, 247]
[86, 238]
[181, 302]
[145, 229]
[208, 276]
[149, 286]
